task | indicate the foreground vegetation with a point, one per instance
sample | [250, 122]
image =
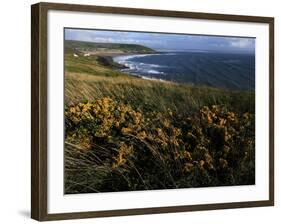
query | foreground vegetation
[125, 133]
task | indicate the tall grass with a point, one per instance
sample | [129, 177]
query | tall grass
[153, 95]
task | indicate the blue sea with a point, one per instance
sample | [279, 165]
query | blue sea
[222, 70]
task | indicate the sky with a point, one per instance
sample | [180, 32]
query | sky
[165, 41]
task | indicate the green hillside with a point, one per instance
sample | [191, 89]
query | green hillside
[93, 46]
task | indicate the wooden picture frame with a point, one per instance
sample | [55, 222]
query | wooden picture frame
[39, 109]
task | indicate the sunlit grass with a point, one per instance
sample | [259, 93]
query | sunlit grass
[152, 95]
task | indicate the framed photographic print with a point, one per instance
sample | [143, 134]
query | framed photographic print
[138, 111]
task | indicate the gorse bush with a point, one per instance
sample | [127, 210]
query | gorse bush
[113, 146]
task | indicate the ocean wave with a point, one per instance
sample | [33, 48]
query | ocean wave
[134, 67]
[122, 58]
[154, 72]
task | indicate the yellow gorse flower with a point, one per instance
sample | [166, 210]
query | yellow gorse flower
[204, 141]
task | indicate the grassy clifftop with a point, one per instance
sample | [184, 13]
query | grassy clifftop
[118, 47]
[91, 65]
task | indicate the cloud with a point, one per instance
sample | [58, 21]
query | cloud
[102, 39]
[242, 42]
